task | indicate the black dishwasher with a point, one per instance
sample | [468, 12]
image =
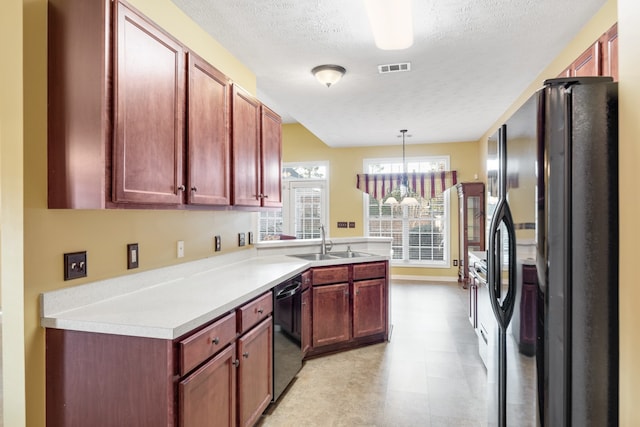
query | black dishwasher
[287, 327]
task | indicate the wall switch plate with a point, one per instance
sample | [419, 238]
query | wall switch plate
[180, 249]
[352, 224]
[342, 224]
[217, 243]
[250, 237]
[75, 265]
[241, 239]
[133, 255]
[455, 262]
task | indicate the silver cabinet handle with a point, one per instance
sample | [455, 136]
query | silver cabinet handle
[181, 188]
[260, 311]
[215, 341]
[194, 188]
[245, 355]
[236, 363]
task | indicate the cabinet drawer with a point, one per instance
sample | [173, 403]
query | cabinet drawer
[253, 312]
[326, 275]
[203, 344]
[371, 270]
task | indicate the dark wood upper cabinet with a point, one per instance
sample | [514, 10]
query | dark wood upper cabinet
[245, 132]
[148, 112]
[143, 121]
[599, 59]
[271, 158]
[209, 161]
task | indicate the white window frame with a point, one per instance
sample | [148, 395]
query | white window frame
[288, 195]
[406, 262]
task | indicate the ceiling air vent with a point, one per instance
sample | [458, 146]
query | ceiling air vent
[394, 68]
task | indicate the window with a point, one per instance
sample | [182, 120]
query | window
[304, 203]
[420, 233]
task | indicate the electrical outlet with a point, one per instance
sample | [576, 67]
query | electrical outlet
[75, 265]
[133, 255]
[352, 224]
[455, 262]
[250, 237]
[217, 243]
[342, 224]
[180, 249]
[241, 239]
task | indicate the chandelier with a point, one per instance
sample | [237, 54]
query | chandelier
[402, 195]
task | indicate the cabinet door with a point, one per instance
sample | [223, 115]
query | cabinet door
[271, 153]
[588, 64]
[246, 149]
[330, 314]
[148, 112]
[208, 138]
[208, 396]
[255, 372]
[609, 43]
[369, 310]
[306, 321]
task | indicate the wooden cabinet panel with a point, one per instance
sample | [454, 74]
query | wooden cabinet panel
[255, 372]
[108, 380]
[207, 398]
[255, 311]
[271, 158]
[209, 156]
[369, 308]
[306, 330]
[369, 270]
[196, 348]
[325, 275]
[331, 316]
[609, 41]
[588, 64]
[148, 112]
[246, 148]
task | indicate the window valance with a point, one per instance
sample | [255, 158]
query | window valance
[426, 185]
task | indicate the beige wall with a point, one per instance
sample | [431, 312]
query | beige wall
[346, 201]
[103, 234]
[629, 104]
[11, 214]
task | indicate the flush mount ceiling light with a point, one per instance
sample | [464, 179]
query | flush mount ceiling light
[328, 74]
[391, 23]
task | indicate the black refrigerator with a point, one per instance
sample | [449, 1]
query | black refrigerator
[552, 259]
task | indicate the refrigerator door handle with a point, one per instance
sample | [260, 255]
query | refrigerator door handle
[502, 310]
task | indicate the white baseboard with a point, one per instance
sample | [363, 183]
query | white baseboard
[424, 278]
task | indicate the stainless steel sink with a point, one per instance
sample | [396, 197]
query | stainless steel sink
[350, 254]
[316, 257]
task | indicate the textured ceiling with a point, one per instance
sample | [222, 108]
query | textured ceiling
[470, 60]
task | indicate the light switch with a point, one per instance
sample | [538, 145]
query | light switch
[132, 255]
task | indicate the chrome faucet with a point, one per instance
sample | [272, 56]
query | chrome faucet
[323, 245]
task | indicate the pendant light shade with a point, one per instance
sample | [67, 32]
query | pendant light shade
[403, 192]
[328, 74]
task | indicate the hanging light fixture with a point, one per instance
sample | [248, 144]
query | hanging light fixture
[404, 192]
[328, 74]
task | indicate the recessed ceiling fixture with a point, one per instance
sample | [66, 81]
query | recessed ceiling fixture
[391, 23]
[328, 74]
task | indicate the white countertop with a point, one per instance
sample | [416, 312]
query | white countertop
[169, 302]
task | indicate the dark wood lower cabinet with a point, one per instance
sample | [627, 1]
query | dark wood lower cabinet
[369, 308]
[255, 379]
[331, 314]
[208, 396]
[306, 332]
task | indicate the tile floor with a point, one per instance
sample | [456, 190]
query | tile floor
[429, 374]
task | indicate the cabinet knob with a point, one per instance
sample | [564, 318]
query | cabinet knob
[260, 311]
[194, 188]
[245, 355]
[265, 196]
[181, 188]
[215, 341]
[236, 363]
